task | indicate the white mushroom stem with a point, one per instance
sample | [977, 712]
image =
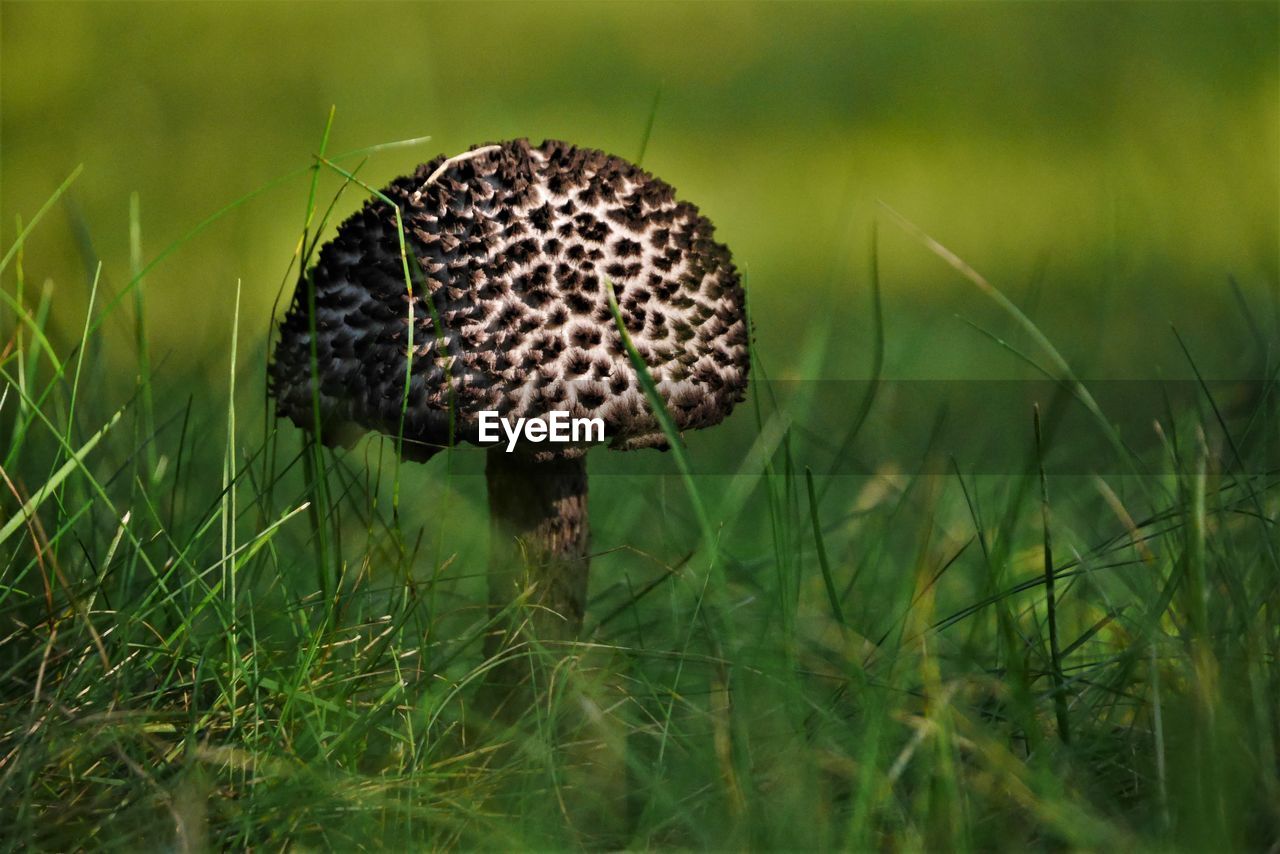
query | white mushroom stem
[539, 549]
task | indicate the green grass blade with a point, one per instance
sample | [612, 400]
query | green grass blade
[39, 215]
[832, 596]
[1051, 603]
[38, 497]
[658, 408]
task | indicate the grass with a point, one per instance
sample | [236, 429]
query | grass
[214, 633]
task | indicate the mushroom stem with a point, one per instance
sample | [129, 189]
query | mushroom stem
[540, 539]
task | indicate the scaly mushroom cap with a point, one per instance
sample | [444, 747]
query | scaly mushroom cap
[515, 246]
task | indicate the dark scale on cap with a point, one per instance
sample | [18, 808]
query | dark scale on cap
[515, 247]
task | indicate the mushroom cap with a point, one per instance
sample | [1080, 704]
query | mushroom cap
[515, 246]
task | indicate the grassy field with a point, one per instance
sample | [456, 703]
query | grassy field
[988, 559]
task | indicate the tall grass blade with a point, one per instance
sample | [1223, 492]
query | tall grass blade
[1050, 594]
[648, 125]
[37, 498]
[39, 215]
[832, 596]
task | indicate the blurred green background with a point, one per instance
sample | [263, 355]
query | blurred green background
[1108, 165]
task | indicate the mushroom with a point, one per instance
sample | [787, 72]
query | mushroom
[517, 248]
